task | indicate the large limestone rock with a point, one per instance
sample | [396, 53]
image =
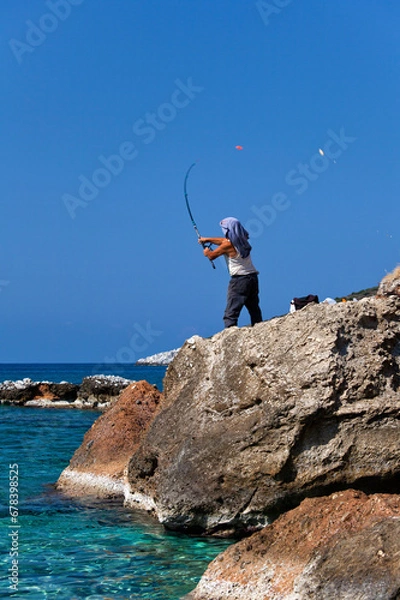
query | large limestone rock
[98, 466]
[343, 547]
[256, 419]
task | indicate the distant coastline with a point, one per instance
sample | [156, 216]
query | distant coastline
[160, 359]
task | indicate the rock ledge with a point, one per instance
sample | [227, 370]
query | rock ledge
[256, 419]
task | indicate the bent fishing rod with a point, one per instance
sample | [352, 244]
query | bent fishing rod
[190, 212]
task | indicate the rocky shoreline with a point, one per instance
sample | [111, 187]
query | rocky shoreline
[98, 466]
[344, 546]
[95, 392]
[285, 435]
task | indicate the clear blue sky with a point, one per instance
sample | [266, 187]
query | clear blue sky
[106, 104]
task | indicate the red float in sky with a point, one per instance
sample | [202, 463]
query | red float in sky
[239, 147]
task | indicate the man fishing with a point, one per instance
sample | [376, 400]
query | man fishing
[243, 284]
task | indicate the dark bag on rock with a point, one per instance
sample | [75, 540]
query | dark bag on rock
[299, 303]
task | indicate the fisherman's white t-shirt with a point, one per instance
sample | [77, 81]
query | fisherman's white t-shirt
[240, 266]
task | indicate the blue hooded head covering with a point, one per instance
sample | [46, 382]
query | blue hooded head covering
[236, 233]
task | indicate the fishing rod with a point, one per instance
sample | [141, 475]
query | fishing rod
[190, 212]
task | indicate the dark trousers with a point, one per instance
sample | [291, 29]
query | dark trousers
[242, 291]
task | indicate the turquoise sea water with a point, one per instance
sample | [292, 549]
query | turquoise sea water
[71, 550]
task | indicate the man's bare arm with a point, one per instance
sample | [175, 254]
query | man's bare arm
[224, 246]
[217, 241]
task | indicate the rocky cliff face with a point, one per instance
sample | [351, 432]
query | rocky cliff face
[256, 419]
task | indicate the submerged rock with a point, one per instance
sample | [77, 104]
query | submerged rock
[256, 419]
[98, 466]
[345, 546]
